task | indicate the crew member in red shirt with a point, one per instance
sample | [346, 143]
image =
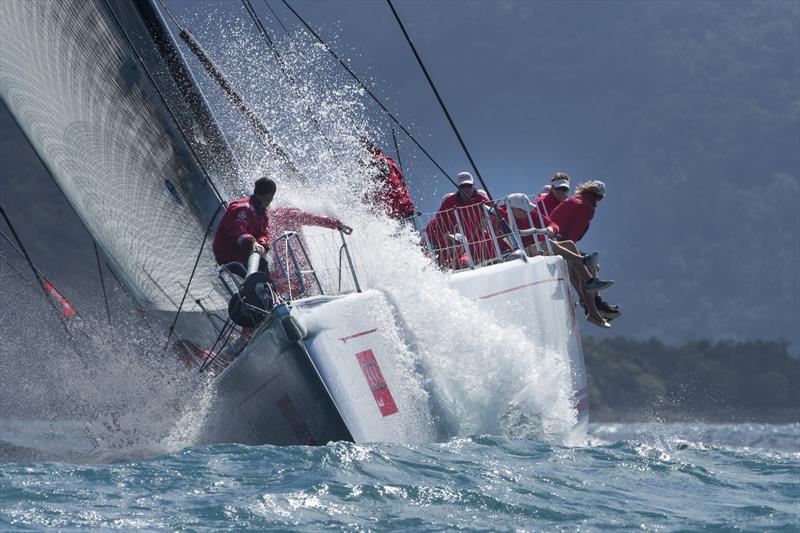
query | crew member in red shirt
[573, 216]
[581, 266]
[445, 229]
[291, 219]
[557, 192]
[244, 228]
[390, 190]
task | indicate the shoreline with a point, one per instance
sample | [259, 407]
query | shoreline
[729, 416]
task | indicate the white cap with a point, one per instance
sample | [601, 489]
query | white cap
[464, 178]
[600, 186]
[519, 201]
[560, 183]
[546, 189]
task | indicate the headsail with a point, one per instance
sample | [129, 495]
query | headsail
[71, 74]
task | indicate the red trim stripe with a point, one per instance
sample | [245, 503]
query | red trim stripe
[531, 284]
[345, 339]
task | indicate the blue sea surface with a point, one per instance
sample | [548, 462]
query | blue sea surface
[662, 477]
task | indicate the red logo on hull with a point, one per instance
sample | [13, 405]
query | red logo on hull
[380, 391]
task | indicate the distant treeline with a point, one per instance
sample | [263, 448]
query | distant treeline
[725, 381]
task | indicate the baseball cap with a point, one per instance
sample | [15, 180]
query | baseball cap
[464, 178]
[600, 187]
[518, 200]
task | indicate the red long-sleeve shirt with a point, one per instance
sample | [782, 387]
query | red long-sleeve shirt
[471, 216]
[469, 213]
[392, 193]
[283, 219]
[547, 202]
[245, 221]
[572, 216]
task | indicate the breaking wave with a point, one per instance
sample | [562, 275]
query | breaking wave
[123, 397]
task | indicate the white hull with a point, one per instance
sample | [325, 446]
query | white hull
[372, 388]
[536, 297]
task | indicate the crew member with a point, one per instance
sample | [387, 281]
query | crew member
[573, 216]
[296, 281]
[389, 192]
[555, 194]
[446, 229]
[244, 228]
[581, 266]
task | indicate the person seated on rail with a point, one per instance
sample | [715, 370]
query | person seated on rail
[387, 190]
[294, 280]
[525, 216]
[244, 229]
[572, 216]
[460, 219]
[555, 194]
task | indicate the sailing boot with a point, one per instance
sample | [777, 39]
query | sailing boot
[597, 285]
[591, 261]
[607, 311]
[600, 322]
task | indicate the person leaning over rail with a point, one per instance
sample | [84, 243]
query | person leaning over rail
[460, 218]
[289, 281]
[244, 229]
[573, 216]
[556, 193]
[580, 265]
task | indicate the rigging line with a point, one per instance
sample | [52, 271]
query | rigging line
[439, 98]
[283, 65]
[194, 269]
[234, 98]
[11, 243]
[17, 272]
[102, 280]
[226, 331]
[21, 276]
[139, 310]
[369, 92]
[257, 21]
[172, 116]
[276, 16]
[41, 279]
[397, 151]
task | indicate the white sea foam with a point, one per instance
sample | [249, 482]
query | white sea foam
[123, 399]
[489, 377]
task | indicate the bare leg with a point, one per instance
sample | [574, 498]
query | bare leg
[574, 258]
[586, 298]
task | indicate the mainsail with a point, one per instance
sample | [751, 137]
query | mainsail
[104, 97]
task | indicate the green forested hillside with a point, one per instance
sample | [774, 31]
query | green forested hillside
[725, 380]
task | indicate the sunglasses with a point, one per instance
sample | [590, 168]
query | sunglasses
[465, 186]
[562, 189]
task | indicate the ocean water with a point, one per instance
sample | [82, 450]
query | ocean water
[673, 477]
[134, 462]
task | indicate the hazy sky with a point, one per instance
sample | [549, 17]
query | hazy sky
[690, 111]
